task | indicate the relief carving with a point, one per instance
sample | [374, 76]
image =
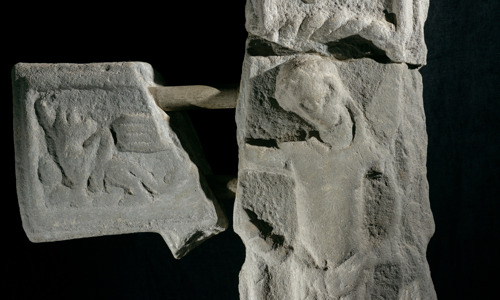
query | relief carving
[97, 156]
[344, 190]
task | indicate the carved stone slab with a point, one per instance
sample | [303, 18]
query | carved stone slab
[96, 156]
[332, 200]
[388, 30]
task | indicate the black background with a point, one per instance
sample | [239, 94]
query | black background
[202, 42]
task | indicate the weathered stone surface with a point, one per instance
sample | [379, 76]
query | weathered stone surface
[332, 199]
[96, 156]
[387, 30]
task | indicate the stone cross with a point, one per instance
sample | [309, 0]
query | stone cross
[332, 196]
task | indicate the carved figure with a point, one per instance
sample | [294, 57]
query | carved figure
[321, 216]
[311, 87]
[73, 144]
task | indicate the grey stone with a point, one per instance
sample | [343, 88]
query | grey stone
[96, 156]
[386, 30]
[332, 198]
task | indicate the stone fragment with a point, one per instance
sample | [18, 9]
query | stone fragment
[96, 156]
[332, 198]
[172, 98]
[386, 30]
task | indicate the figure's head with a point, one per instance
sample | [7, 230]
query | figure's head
[310, 87]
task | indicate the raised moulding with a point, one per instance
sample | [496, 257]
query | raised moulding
[389, 30]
